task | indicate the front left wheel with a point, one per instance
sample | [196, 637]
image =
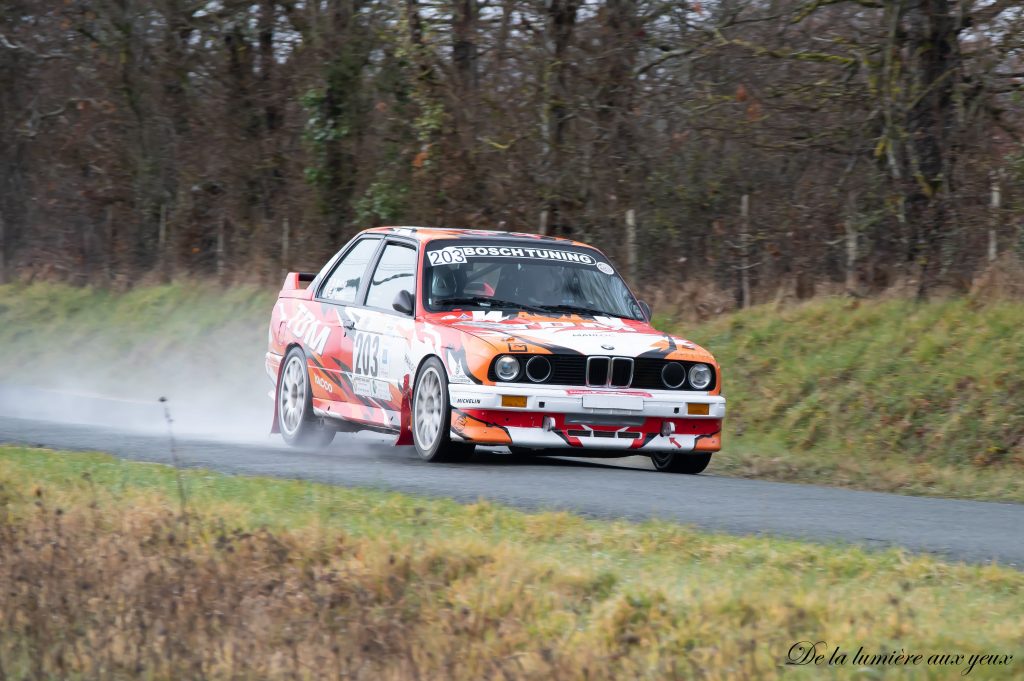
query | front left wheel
[295, 419]
[431, 417]
[688, 464]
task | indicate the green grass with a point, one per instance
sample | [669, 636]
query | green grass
[330, 579]
[921, 398]
[888, 395]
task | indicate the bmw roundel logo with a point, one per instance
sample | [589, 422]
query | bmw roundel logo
[608, 347]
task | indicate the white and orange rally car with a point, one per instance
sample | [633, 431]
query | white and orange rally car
[455, 338]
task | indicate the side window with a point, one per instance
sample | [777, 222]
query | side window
[343, 284]
[395, 271]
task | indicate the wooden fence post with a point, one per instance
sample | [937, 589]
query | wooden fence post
[285, 235]
[745, 251]
[994, 204]
[850, 225]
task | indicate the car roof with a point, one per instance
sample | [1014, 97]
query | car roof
[425, 234]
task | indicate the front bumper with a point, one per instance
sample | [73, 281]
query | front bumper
[631, 421]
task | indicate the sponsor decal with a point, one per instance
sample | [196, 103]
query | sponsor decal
[381, 389]
[457, 371]
[486, 315]
[605, 267]
[501, 326]
[364, 386]
[322, 383]
[517, 347]
[467, 400]
[307, 328]
[589, 334]
[602, 323]
[456, 255]
[634, 393]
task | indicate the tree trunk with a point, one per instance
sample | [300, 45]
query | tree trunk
[3, 250]
[561, 21]
[617, 145]
[934, 52]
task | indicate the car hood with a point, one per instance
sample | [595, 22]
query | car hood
[572, 334]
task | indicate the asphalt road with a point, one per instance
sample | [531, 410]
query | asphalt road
[621, 488]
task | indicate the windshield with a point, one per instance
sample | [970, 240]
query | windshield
[510, 275]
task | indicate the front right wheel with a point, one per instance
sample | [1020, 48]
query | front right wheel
[675, 462]
[431, 417]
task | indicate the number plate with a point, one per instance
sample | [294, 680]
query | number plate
[613, 402]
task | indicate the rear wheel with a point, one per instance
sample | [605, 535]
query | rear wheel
[431, 417]
[295, 419]
[688, 464]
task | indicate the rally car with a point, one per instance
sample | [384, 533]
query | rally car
[449, 339]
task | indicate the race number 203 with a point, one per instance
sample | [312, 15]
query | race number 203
[446, 256]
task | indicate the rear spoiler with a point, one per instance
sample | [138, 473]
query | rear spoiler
[294, 281]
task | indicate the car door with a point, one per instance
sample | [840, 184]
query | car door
[339, 297]
[381, 346]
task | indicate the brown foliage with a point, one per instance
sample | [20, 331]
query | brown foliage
[251, 137]
[1001, 280]
[137, 592]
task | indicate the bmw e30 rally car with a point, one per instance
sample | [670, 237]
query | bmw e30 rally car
[455, 338]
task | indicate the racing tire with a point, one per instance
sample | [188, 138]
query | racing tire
[526, 454]
[688, 464]
[431, 417]
[521, 454]
[295, 419]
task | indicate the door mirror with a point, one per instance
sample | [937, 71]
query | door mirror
[646, 309]
[403, 302]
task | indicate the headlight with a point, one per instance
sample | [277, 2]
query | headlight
[506, 368]
[538, 369]
[700, 376]
[673, 375]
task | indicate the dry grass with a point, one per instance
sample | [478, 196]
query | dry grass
[1002, 280]
[101, 577]
[896, 396]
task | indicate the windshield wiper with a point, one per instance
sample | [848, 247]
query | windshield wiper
[579, 310]
[487, 301]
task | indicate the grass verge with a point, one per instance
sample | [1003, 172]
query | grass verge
[891, 395]
[102, 576]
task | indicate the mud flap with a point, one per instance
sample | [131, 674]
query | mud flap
[274, 428]
[405, 427]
